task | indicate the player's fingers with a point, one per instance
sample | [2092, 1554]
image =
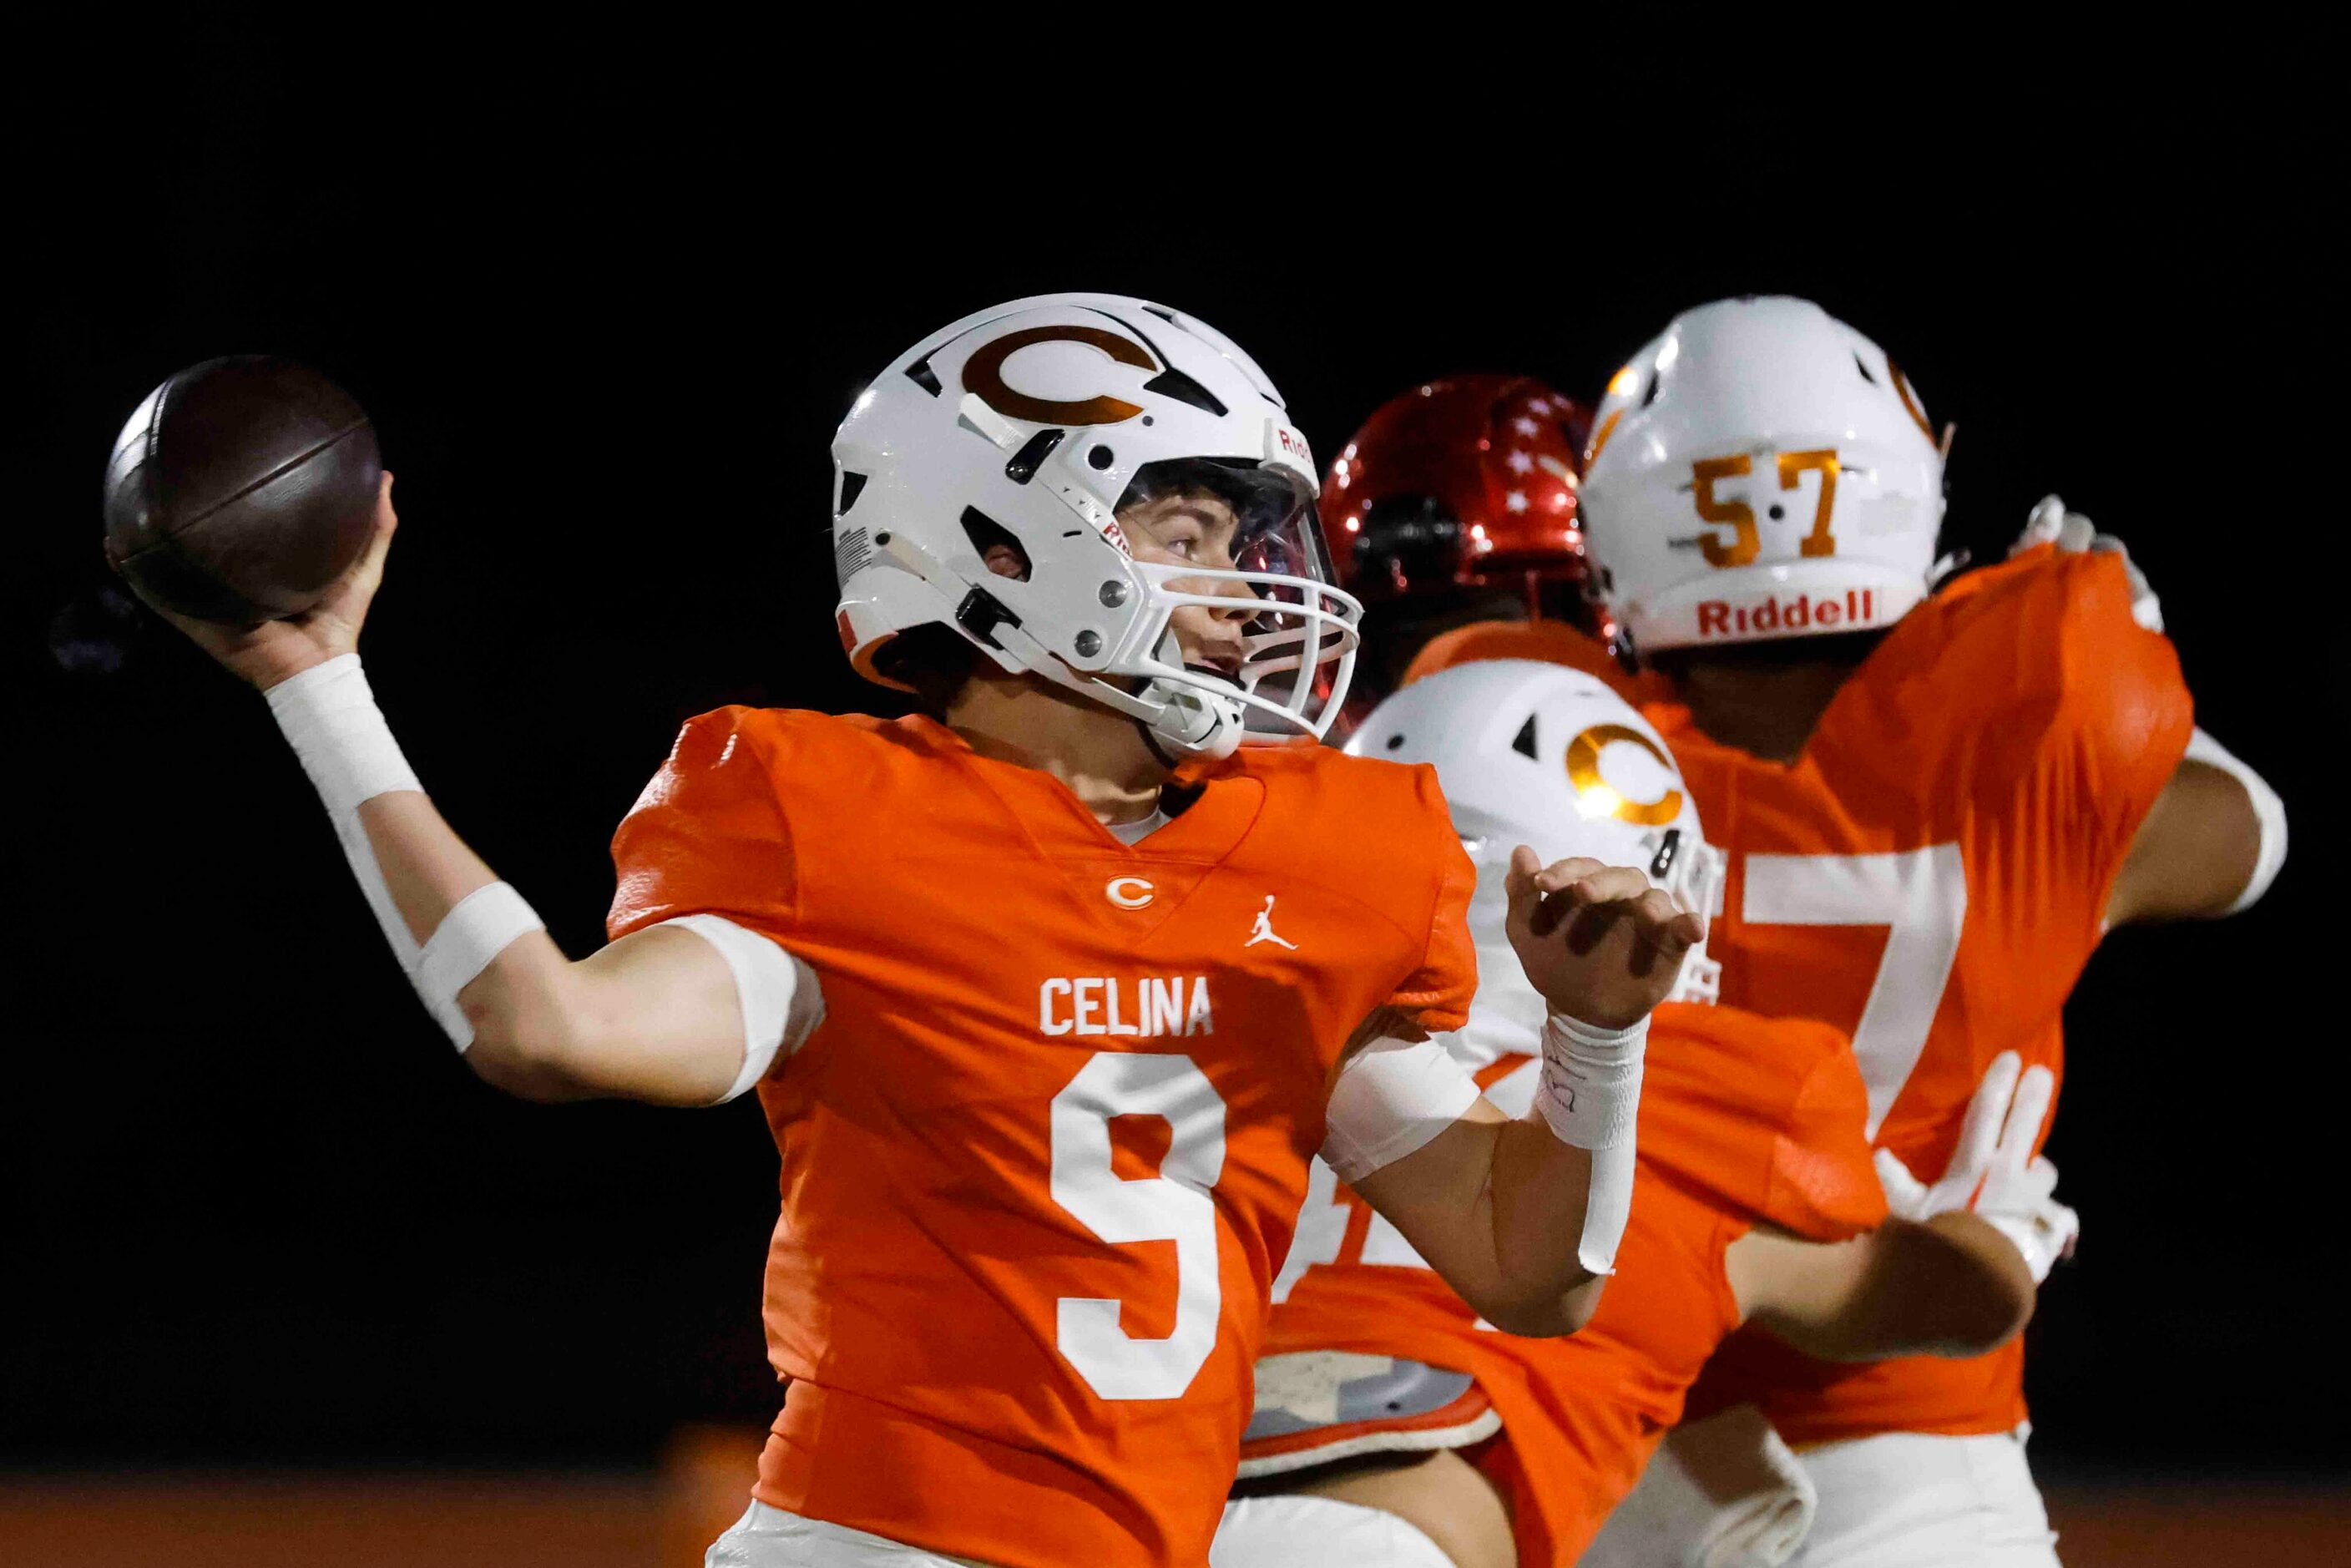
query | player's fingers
[1605, 884]
[1979, 1131]
[1904, 1193]
[2066, 1222]
[2030, 1107]
[2042, 526]
[1519, 882]
[2041, 1178]
[1658, 920]
[365, 575]
[1550, 903]
[1561, 875]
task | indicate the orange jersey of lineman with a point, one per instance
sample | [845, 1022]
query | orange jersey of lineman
[1045, 1151]
[1744, 1121]
[1931, 875]
[1548, 641]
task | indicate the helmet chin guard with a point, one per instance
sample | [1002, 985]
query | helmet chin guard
[1025, 426]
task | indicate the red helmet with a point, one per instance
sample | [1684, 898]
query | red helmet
[1461, 483]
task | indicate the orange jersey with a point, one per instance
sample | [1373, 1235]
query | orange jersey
[1931, 875]
[1744, 1121]
[1548, 641]
[1045, 1151]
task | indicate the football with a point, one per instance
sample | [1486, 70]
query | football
[241, 489]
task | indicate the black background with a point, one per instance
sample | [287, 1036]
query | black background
[256, 1210]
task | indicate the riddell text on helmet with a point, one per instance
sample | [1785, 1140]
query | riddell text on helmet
[1718, 618]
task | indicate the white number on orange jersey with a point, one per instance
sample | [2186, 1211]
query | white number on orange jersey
[1173, 1205]
[1921, 896]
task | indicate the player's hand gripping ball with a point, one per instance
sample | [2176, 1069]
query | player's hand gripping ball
[241, 490]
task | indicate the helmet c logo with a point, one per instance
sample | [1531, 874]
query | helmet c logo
[984, 373]
[1128, 892]
[1595, 797]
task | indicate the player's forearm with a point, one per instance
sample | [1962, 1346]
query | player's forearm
[1490, 1204]
[527, 1031]
[1543, 1285]
[1522, 1218]
[2209, 846]
[1951, 1286]
[659, 1022]
[1562, 1181]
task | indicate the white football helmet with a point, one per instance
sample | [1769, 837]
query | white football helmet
[1030, 421]
[1539, 753]
[1759, 470]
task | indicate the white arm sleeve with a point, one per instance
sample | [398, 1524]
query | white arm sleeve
[2267, 809]
[782, 1000]
[1391, 1097]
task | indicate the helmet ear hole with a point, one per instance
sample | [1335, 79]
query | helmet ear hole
[1523, 743]
[996, 545]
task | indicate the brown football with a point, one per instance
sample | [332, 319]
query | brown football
[241, 489]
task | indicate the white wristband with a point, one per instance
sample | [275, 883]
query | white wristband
[482, 925]
[1590, 1095]
[328, 715]
[1590, 1087]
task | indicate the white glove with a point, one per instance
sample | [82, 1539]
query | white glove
[2073, 533]
[1994, 1174]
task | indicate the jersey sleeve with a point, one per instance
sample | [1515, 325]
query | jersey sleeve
[2124, 715]
[708, 836]
[1763, 1119]
[1822, 1185]
[1435, 996]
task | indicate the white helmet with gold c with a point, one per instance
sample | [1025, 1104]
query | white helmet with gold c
[1538, 754]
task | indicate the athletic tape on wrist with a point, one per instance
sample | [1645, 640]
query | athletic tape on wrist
[481, 926]
[329, 716]
[1590, 1092]
[2269, 811]
[328, 713]
[1590, 1095]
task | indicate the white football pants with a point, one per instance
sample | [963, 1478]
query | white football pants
[1318, 1533]
[1908, 1500]
[770, 1538]
[1257, 1533]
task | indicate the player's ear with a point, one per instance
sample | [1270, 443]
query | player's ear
[1005, 560]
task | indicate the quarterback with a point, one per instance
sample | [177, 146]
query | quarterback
[1935, 801]
[1051, 994]
[1758, 1199]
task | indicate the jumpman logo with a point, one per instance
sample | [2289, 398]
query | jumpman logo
[1264, 930]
